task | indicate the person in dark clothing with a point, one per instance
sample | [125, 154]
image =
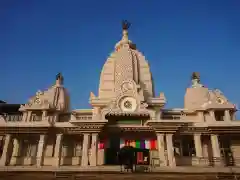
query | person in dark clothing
[126, 158]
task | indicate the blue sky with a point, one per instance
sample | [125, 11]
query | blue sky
[39, 38]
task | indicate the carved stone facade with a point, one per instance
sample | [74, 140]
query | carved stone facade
[204, 132]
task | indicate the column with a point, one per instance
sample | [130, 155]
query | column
[158, 113]
[198, 145]
[216, 149]
[58, 149]
[40, 150]
[29, 115]
[6, 148]
[24, 117]
[201, 116]
[44, 115]
[170, 150]
[212, 115]
[15, 153]
[94, 149]
[85, 149]
[161, 149]
[227, 116]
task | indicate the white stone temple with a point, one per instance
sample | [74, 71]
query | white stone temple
[125, 112]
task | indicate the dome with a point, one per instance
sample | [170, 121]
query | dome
[55, 98]
[126, 63]
[199, 97]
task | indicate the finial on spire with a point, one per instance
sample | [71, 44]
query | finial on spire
[196, 80]
[125, 25]
[59, 79]
[196, 76]
[124, 40]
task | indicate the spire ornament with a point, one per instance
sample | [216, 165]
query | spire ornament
[124, 41]
[196, 75]
[196, 80]
[59, 79]
[125, 25]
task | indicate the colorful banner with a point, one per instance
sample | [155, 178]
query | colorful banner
[143, 144]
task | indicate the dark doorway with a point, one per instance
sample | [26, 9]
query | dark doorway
[226, 151]
[111, 152]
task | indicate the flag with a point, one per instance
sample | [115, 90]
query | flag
[147, 144]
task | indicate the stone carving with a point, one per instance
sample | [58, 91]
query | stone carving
[127, 86]
[92, 95]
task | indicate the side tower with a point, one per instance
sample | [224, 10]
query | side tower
[126, 85]
[46, 104]
[211, 105]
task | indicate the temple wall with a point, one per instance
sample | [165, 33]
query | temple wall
[190, 117]
[207, 117]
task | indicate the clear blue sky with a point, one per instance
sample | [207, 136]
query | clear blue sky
[39, 38]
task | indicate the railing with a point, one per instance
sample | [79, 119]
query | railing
[171, 117]
[13, 117]
[84, 117]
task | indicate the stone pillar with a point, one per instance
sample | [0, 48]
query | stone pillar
[216, 149]
[170, 150]
[201, 116]
[94, 149]
[40, 150]
[161, 149]
[24, 117]
[198, 148]
[198, 145]
[85, 149]
[227, 116]
[16, 150]
[29, 115]
[44, 115]
[158, 113]
[6, 148]
[212, 116]
[58, 149]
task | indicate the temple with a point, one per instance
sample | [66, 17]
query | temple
[125, 112]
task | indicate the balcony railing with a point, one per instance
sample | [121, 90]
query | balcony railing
[172, 117]
[84, 117]
[13, 118]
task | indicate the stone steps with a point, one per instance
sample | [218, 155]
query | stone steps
[103, 176]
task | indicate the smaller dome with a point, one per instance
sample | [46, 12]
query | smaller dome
[55, 98]
[199, 97]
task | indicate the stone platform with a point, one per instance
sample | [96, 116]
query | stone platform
[113, 172]
[116, 169]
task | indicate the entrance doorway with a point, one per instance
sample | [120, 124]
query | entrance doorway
[226, 151]
[111, 152]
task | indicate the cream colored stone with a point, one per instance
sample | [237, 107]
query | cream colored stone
[125, 91]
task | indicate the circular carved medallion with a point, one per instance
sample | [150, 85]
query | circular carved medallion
[128, 104]
[220, 100]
